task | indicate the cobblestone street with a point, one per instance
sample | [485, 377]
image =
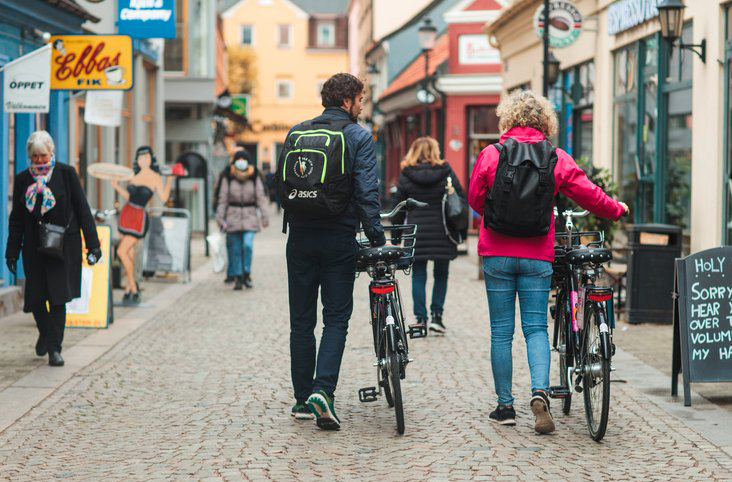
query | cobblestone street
[202, 392]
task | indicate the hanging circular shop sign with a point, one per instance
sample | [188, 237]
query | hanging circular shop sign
[565, 23]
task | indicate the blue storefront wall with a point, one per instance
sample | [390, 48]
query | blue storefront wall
[18, 19]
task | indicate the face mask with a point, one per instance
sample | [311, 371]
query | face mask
[241, 164]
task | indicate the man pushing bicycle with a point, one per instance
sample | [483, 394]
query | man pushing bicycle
[327, 182]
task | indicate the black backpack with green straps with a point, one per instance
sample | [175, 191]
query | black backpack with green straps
[313, 174]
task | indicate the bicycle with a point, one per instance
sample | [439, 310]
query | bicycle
[583, 324]
[387, 315]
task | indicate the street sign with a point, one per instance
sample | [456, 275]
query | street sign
[626, 14]
[103, 108]
[147, 18]
[565, 23]
[27, 82]
[240, 104]
[702, 347]
[91, 62]
[93, 309]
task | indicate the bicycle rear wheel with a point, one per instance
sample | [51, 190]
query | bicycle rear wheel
[562, 347]
[596, 372]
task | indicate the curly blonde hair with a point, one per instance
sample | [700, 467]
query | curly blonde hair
[423, 150]
[527, 109]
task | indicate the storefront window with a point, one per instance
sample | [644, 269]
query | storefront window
[483, 131]
[649, 131]
[678, 177]
[175, 55]
[626, 124]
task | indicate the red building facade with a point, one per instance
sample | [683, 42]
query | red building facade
[465, 79]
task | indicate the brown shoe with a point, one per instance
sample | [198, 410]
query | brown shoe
[540, 407]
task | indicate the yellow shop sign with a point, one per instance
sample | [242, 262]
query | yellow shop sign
[91, 62]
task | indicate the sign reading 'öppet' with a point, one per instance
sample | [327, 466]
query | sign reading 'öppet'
[91, 62]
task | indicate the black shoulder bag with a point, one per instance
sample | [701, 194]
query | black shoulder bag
[51, 238]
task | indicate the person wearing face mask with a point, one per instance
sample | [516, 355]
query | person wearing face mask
[241, 212]
[133, 221]
[49, 193]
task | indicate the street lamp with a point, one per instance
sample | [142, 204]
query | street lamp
[427, 37]
[372, 74]
[671, 17]
[552, 69]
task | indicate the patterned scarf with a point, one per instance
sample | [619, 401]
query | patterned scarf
[41, 173]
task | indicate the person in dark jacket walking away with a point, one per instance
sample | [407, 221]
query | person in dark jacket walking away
[321, 252]
[241, 212]
[424, 177]
[49, 192]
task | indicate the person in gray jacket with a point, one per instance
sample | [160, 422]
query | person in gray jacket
[241, 212]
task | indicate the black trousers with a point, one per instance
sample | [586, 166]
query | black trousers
[51, 325]
[325, 260]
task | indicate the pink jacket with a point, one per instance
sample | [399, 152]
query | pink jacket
[570, 181]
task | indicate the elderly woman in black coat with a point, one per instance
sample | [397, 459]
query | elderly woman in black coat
[49, 193]
[425, 177]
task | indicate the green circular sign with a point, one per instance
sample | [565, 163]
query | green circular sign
[565, 23]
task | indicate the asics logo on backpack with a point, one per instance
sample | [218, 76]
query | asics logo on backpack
[303, 194]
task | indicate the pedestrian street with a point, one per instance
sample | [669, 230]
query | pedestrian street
[203, 392]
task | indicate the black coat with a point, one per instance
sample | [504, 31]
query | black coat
[48, 279]
[426, 183]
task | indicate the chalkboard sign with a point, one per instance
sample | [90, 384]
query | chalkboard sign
[703, 319]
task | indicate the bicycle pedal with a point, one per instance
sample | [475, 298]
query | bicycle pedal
[559, 392]
[417, 331]
[367, 394]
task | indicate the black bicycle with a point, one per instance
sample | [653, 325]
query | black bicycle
[387, 315]
[583, 323]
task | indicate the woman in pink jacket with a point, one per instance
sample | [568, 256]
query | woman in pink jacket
[523, 265]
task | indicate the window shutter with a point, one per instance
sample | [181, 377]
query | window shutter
[312, 32]
[341, 36]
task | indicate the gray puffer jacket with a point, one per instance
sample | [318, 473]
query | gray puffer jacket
[241, 205]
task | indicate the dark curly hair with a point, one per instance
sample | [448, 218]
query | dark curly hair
[153, 161]
[339, 88]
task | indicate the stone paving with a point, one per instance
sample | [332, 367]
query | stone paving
[19, 333]
[203, 392]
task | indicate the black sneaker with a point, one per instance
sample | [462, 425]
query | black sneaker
[540, 407]
[229, 279]
[436, 324]
[322, 406]
[504, 415]
[300, 411]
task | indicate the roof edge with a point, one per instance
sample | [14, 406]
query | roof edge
[506, 14]
[74, 8]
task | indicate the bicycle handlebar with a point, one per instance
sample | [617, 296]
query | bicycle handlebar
[409, 203]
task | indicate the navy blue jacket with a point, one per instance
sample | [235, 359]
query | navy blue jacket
[364, 205]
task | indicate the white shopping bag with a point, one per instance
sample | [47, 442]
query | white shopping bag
[217, 246]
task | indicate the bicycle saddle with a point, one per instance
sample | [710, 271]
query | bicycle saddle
[388, 254]
[589, 255]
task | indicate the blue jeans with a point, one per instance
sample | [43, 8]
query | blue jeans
[319, 260]
[531, 278]
[419, 287]
[239, 247]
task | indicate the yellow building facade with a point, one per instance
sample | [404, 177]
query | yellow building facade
[295, 51]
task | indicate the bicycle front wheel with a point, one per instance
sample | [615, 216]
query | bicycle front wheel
[396, 390]
[596, 372]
